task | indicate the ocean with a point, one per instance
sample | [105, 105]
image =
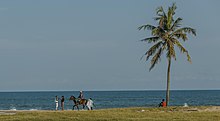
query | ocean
[107, 99]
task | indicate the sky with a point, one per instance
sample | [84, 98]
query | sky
[94, 45]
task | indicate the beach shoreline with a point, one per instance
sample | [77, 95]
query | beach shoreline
[177, 113]
[189, 108]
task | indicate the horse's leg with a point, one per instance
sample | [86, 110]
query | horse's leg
[83, 106]
[77, 107]
[73, 107]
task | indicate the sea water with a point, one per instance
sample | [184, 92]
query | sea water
[107, 99]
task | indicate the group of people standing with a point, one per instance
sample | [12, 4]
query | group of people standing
[89, 103]
[62, 102]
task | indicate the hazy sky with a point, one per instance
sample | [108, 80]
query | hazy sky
[93, 45]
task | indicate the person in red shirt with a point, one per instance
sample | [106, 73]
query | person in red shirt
[163, 103]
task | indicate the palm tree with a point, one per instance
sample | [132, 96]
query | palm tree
[165, 36]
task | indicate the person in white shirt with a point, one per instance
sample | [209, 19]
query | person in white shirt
[56, 102]
[90, 104]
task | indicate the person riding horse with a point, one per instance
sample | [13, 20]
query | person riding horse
[78, 102]
[80, 95]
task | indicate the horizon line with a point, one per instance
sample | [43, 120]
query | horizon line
[108, 90]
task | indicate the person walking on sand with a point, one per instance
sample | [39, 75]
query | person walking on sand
[62, 102]
[56, 103]
[90, 104]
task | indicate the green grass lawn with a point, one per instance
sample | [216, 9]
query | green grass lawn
[121, 114]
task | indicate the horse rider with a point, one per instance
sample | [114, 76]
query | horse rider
[80, 96]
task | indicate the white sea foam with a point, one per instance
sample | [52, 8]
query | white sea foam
[13, 108]
[33, 109]
[185, 105]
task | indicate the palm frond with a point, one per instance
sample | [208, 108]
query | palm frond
[158, 31]
[181, 35]
[160, 11]
[174, 7]
[148, 27]
[151, 39]
[186, 30]
[153, 49]
[157, 18]
[176, 24]
[170, 13]
[188, 57]
[183, 50]
[162, 22]
[162, 17]
[155, 59]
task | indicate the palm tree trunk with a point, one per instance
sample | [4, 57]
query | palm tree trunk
[168, 82]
